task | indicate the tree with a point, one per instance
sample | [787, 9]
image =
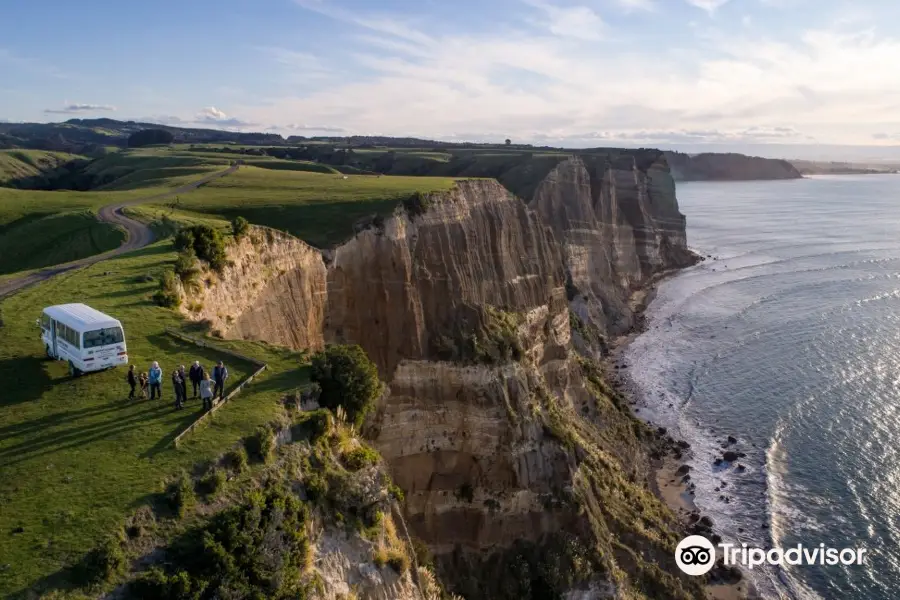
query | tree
[508, 142]
[147, 137]
[206, 242]
[347, 378]
[239, 227]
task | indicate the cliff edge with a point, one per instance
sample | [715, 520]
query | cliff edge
[523, 472]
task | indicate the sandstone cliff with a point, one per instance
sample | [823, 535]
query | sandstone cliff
[523, 473]
[710, 166]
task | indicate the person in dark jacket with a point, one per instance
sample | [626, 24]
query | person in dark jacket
[220, 374]
[178, 386]
[197, 374]
[131, 378]
[184, 380]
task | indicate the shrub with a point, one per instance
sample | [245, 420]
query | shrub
[167, 296]
[316, 487]
[311, 426]
[187, 270]
[398, 560]
[255, 550]
[416, 204]
[236, 460]
[213, 482]
[206, 242]
[180, 495]
[102, 564]
[359, 457]
[239, 227]
[184, 240]
[347, 378]
[397, 493]
[261, 445]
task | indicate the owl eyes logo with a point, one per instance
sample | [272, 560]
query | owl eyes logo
[695, 555]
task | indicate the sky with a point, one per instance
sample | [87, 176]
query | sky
[736, 75]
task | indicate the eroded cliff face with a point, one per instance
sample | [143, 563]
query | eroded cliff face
[619, 226]
[512, 452]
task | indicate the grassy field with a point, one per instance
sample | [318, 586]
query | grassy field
[318, 208]
[20, 164]
[75, 456]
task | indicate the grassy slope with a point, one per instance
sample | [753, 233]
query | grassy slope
[20, 164]
[75, 456]
[320, 209]
[42, 228]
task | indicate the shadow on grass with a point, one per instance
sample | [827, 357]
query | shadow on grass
[53, 441]
[24, 378]
[283, 382]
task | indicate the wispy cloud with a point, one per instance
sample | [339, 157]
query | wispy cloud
[637, 5]
[533, 82]
[71, 109]
[709, 6]
[580, 22]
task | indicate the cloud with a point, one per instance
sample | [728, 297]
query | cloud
[213, 116]
[71, 109]
[709, 6]
[886, 136]
[637, 5]
[532, 83]
[579, 22]
[314, 128]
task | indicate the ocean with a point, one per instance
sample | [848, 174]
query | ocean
[788, 339]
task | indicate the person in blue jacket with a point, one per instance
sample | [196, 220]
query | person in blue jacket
[220, 374]
[154, 377]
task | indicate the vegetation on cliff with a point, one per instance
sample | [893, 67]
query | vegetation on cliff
[347, 379]
[709, 166]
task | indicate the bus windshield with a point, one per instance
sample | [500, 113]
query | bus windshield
[103, 337]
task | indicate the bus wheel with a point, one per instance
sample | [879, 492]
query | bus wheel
[73, 371]
[49, 353]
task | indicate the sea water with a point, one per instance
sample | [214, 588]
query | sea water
[789, 340]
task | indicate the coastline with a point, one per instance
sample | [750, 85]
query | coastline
[670, 472]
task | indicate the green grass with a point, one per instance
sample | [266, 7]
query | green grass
[20, 164]
[318, 208]
[75, 456]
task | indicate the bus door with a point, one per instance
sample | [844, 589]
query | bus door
[53, 337]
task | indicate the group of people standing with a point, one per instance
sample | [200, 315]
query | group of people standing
[209, 386]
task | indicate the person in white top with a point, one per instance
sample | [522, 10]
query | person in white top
[206, 392]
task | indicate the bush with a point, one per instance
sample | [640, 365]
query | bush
[347, 378]
[102, 564]
[239, 227]
[180, 495]
[316, 487]
[168, 296]
[261, 445]
[213, 482]
[187, 270]
[311, 426]
[206, 242]
[398, 560]
[417, 204]
[184, 240]
[360, 457]
[256, 550]
[236, 460]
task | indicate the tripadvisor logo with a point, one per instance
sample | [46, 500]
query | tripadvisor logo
[695, 555]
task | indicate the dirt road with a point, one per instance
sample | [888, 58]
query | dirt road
[138, 235]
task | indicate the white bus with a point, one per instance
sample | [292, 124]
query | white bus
[88, 339]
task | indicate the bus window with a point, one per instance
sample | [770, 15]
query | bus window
[103, 337]
[45, 321]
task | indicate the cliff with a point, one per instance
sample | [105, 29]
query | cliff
[524, 474]
[711, 166]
